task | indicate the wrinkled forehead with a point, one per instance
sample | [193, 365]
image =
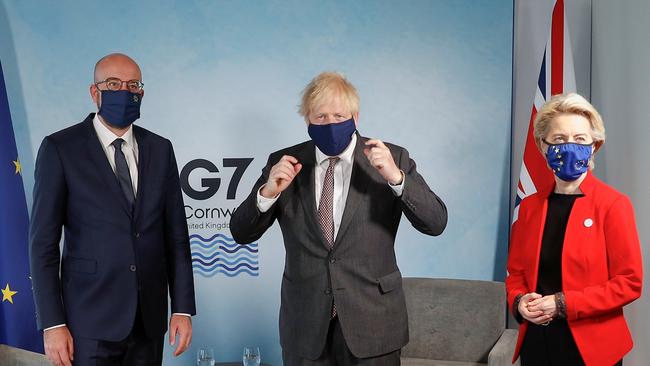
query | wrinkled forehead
[570, 124]
[331, 102]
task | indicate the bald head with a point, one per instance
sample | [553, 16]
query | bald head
[119, 66]
[115, 65]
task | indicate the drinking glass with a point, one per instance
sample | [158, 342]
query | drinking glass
[205, 357]
[252, 356]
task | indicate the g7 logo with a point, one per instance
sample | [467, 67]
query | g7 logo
[212, 185]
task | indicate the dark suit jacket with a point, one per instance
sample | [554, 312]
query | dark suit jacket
[360, 274]
[111, 257]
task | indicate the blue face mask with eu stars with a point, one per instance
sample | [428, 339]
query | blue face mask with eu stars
[568, 160]
[332, 138]
[120, 108]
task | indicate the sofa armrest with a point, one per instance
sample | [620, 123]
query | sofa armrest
[10, 356]
[501, 353]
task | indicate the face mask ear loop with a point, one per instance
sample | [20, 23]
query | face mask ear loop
[593, 144]
[549, 145]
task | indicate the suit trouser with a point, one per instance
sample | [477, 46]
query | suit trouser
[551, 345]
[337, 353]
[137, 349]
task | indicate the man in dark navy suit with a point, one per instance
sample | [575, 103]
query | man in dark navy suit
[114, 190]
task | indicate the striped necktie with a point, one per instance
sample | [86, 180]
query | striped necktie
[326, 210]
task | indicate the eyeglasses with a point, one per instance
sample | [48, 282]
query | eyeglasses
[134, 86]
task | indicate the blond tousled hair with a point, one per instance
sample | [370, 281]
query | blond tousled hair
[323, 88]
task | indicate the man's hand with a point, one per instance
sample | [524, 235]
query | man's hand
[58, 346]
[380, 157]
[532, 314]
[281, 176]
[180, 329]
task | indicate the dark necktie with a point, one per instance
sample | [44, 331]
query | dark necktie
[122, 172]
[326, 210]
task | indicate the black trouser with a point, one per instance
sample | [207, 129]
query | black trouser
[136, 350]
[551, 345]
[337, 353]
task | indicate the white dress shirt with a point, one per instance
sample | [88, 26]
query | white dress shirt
[342, 175]
[129, 148]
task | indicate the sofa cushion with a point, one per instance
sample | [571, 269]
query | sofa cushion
[455, 320]
[423, 362]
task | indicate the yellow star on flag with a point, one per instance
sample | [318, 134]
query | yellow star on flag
[7, 294]
[18, 167]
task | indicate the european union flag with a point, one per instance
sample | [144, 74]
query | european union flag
[17, 312]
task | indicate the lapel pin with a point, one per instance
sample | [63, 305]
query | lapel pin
[589, 222]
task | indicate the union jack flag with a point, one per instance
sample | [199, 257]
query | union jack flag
[556, 76]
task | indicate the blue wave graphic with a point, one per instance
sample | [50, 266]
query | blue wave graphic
[211, 261]
[229, 274]
[210, 256]
[230, 251]
[252, 249]
[219, 265]
[226, 255]
[217, 235]
[218, 241]
[221, 254]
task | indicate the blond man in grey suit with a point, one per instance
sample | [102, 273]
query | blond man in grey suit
[339, 198]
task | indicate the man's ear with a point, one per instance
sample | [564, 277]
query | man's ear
[94, 93]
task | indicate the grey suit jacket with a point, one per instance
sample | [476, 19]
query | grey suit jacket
[360, 274]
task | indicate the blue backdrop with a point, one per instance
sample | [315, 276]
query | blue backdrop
[223, 80]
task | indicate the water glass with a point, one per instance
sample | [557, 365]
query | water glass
[205, 357]
[252, 356]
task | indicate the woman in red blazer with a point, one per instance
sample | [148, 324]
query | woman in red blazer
[575, 257]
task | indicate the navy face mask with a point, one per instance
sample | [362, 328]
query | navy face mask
[569, 160]
[120, 108]
[332, 138]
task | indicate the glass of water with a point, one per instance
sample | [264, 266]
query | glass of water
[205, 357]
[252, 356]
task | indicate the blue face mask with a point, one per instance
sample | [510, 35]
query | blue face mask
[569, 160]
[120, 108]
[332, 138]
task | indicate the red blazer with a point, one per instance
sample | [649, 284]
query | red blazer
[601, 267]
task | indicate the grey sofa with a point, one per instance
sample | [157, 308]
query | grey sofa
[451, 323]
[457, 322]
[10, 356]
